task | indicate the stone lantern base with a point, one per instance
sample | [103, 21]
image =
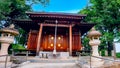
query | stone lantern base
[5, 61]
[4, 52]
[96, 62]
[4, 58]
[8, 65]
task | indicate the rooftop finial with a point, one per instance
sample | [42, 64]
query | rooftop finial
[12, 26]
[93, 29]
[93, 33]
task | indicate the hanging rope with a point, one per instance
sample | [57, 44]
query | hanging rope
[54, 51]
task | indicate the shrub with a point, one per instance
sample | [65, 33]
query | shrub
[18, 46]
[118, 55]
[102, 52]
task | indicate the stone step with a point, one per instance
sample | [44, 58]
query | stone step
[53, 61]
[49, 65]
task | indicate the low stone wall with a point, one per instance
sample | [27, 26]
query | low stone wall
[113, 65]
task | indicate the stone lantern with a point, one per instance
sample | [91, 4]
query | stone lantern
[6, 38]
[94, 42]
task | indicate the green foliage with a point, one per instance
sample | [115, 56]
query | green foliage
[21, 38]
[106, 15]
[102, 52]
[4, 8]
[103, 12]
[18, 7]
[106, 37]
[18, 46]
[15, 9]
[118, 55]
[85, 42]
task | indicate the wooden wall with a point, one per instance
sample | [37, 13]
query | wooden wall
[76, 42]
[32, 40]
[47, 42]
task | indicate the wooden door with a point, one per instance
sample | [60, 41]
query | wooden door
[61, 43]
[32, 40]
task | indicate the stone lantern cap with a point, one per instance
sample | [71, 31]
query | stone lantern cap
[94, 33]
[10, 30]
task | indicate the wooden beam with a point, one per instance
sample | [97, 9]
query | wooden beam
[70, 40]
[58, 25]
[39, 39]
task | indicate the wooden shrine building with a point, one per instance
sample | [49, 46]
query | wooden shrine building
[59, 31]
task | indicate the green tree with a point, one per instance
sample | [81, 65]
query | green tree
[15, 9]
[4, 11]
[106, 15]
[85, 42]
[4, 8]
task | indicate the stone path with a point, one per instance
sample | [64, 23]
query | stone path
[38, 60]
[50, 65]
[71, 62]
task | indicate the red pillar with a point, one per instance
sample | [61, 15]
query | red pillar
[70, 40]
[39, 39]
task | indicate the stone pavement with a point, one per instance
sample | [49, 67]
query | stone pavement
[50, 65]
[44, 60]
[70, 62]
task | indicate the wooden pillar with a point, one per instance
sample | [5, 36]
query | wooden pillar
[39, 39]
[70, 40]
[28, 42]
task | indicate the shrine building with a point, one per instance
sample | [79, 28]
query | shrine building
[59, 32]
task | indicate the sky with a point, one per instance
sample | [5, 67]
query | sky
[65, 6]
